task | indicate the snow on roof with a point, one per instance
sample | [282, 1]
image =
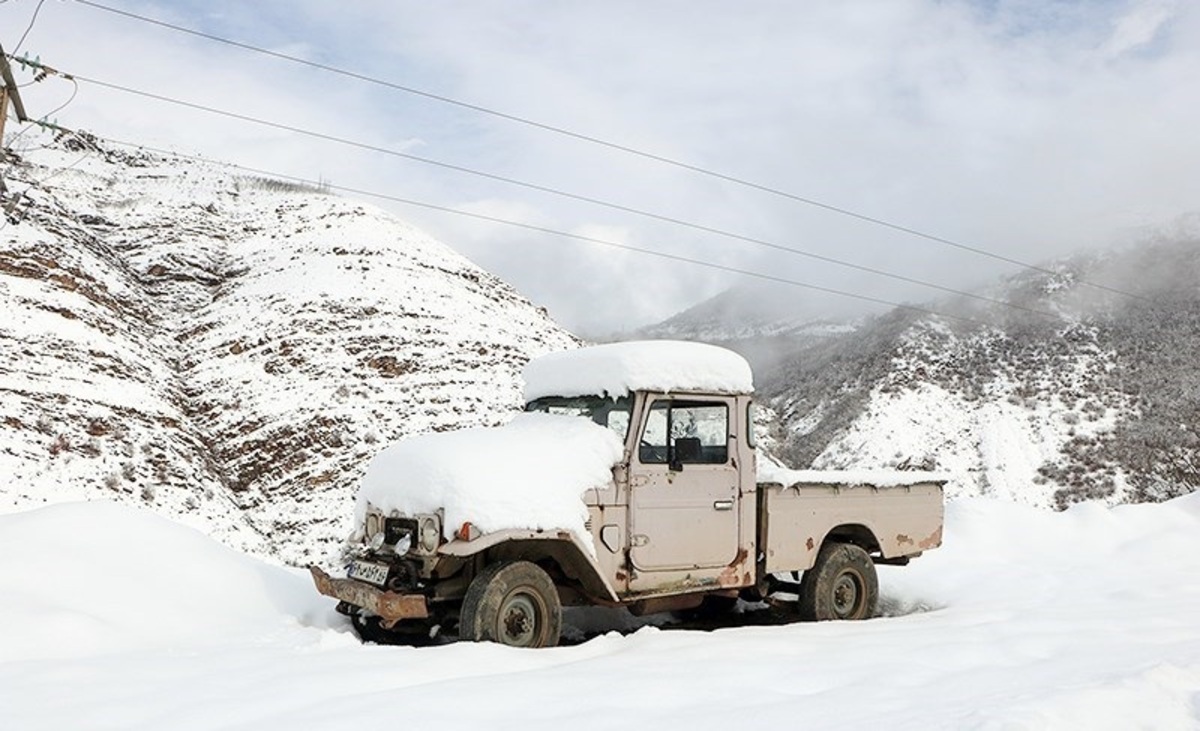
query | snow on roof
[528, 474]
[650, 365]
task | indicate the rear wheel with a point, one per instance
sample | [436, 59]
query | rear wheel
[841, 585]
[513, 603]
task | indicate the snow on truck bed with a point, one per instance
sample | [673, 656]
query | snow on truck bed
[874, 478]
[651, 365]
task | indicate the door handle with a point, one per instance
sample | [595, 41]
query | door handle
[723, 505]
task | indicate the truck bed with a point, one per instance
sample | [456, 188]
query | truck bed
[902, 511]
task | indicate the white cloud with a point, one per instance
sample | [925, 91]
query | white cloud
[1139, 27]
[1030, 128]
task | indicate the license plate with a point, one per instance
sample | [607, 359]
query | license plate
[365, 571]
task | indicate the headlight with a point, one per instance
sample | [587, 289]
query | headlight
[431, 535]
[373, 526]
[376, 541]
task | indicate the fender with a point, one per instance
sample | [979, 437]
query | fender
[576, 558]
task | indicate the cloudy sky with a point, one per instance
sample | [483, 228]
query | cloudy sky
[1028, 128]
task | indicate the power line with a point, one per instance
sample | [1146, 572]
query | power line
[559, 192]
[550, 231]
[32, 21]
[726, 177]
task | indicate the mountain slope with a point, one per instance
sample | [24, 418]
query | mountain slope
[1097, 402]
[233, 350]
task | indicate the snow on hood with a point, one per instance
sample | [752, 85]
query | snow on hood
[650, 365]
[528, 474]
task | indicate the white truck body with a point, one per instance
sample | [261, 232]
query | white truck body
[678, 517]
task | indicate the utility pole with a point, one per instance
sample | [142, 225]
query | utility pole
[9, 92]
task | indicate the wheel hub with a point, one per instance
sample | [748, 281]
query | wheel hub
[518, 620]
[845, 595]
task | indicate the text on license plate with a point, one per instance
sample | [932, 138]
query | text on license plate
[365, 571]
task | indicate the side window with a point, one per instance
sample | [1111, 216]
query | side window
[685, 432]
[618, 421]
[653, 447]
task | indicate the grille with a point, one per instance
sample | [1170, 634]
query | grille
[395, 529]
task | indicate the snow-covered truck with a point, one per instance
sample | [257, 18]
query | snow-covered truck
[630, 480]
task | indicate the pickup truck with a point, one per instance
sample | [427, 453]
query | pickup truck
[631, 481]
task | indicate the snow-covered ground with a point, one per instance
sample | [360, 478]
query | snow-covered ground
[114, 618]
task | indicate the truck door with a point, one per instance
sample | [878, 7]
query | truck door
[683, 492]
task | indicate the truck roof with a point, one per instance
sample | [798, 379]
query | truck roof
[615, 369]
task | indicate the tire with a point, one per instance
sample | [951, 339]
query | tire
[368, 629]
[512, 603]
[842, 584]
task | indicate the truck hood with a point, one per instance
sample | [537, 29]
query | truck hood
[528, 474]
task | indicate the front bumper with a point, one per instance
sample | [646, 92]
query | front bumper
[388, 605]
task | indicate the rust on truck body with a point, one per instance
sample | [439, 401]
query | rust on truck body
[389, 606]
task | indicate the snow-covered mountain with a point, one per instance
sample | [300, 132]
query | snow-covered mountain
[231, 350]
[1097, 398]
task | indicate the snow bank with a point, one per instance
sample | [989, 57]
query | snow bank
[652, 365]
[768, 472]
[86, 578]
[528, 474]
[1023, 619]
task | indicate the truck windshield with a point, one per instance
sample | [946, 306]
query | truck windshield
[612, 413]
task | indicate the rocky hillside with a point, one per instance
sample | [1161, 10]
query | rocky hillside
[231, 350]
[1100, 401]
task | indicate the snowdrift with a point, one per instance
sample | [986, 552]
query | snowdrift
[1024, 619]
[84, 578]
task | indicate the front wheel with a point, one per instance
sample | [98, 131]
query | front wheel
[513, 603]
[841, 585]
